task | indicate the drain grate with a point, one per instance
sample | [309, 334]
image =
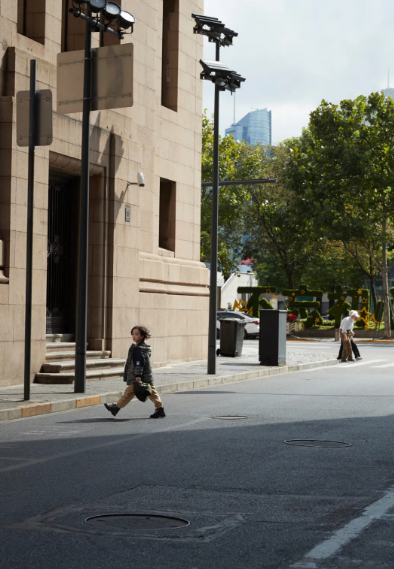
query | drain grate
[133, 522]
[230, 417]
[317, 443]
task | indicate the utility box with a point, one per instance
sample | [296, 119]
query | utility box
[232, 333]
[272, 342]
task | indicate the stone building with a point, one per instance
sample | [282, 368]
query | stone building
[144, 260]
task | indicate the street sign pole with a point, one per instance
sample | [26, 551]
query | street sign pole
[214, 235]
[83, 244]
[29, 237]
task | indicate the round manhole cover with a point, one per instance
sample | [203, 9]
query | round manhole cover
[317, 443]
[136, 521]
[230, 417]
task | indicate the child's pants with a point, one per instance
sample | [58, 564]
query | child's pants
[129, 394]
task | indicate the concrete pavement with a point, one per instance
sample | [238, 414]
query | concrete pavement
[251, 501]
[176, 377]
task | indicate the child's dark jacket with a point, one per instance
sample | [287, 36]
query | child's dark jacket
[139, 366]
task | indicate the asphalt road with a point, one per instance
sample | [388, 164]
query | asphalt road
[252, 501]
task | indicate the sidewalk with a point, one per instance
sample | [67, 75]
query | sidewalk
[176, 377]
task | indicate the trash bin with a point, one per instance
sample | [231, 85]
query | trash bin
[272, 342]
[231, 337]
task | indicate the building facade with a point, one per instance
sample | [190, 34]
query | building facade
[144, 242]
[254, 128]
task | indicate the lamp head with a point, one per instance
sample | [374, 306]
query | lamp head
[96, 6]
[111, 11]
[125, 20]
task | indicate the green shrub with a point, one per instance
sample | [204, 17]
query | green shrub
[341, 307]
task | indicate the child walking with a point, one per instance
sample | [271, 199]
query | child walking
[138, 372]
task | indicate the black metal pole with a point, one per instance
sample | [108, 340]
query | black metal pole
[241, 182]
[29, 234]
[214, 235]
[83, 244]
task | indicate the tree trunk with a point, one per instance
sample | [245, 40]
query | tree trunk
[385, 284]
[373, 291]
[290, 279]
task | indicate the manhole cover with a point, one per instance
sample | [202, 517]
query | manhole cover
[230, 417]
[136, 521]
[317, 443]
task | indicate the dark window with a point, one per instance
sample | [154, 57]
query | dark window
[73, 30]
[31, 19]
[170, 49]
[167, 214]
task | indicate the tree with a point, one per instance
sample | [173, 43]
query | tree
[231, 199]
[280, 237]
[342, 169]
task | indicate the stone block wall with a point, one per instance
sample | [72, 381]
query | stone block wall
[131, 279]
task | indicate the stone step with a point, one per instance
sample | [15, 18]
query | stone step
[60, 338]
[69, 365]
[91, 375]
[70, 355]
[60, 346]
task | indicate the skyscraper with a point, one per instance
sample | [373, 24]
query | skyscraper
[389, 92]
[253, 128]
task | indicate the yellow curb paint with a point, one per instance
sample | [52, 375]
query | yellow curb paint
[32, 410]
[86, 401]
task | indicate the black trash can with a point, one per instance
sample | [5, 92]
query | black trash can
[272, 343]
[231, 337]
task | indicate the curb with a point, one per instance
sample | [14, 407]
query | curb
[35, 409]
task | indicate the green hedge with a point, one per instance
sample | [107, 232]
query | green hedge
[255, 302]
[300, 307]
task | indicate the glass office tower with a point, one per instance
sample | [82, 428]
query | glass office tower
[254, 128]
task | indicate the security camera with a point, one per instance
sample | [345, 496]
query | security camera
[140, 179]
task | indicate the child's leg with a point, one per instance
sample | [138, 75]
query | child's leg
[126, 397]
[155, 398]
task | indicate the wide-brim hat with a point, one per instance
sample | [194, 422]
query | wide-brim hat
[354, 313]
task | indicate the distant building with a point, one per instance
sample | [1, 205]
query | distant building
[254, 128]
[389, 92]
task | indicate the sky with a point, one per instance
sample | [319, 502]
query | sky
[295, 53]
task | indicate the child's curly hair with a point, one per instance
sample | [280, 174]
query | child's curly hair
[143, 330]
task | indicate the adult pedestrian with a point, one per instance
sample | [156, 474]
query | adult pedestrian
[138, 375]
[346, 331]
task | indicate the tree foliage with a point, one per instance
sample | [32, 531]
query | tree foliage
[342, 169]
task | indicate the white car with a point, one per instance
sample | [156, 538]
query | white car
[252, 326]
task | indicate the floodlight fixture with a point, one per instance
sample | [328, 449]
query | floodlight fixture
[111, 11]
[227, 37]
[223, 77]
[214, 30]
[96, 6]
[125, 20]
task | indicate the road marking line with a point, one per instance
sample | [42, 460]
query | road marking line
[352, 530]
[347, 366]
[367, 362]
[384, 365]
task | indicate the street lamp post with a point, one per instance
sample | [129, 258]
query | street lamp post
[117, 21]
[224, 79]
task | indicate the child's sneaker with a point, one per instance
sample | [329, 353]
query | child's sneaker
[158, 414]
[112, 408]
